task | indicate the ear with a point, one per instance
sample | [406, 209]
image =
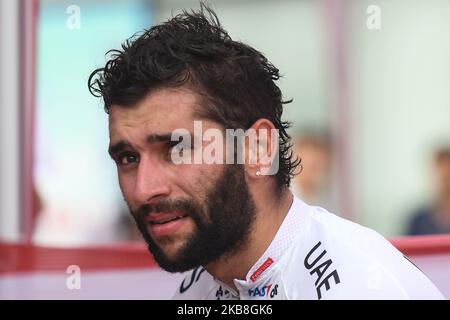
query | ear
[261, 149]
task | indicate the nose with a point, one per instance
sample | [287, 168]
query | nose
[151, 182]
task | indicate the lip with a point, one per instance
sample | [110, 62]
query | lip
[161, 216]
[159, 230]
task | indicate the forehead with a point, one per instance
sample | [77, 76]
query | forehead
[163, 110]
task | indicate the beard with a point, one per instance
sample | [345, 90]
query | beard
[222, 223]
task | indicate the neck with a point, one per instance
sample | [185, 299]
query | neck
[269, 217]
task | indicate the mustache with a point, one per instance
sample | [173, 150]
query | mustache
[184, 206]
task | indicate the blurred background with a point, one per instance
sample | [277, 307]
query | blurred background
[371, 113]
[371, 110]
[370, 82]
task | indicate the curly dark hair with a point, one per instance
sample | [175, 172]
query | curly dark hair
[193, 49]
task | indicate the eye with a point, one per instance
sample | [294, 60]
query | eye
[126, 159]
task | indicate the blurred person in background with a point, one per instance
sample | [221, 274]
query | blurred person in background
[312, 184]
[435, 218]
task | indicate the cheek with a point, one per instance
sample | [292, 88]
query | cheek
[126, 183]
[196, 179]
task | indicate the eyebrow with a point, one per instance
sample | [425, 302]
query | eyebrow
[159, 137]
[114, 149]
[117, 147]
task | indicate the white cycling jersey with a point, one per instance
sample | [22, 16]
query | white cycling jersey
[318, 255]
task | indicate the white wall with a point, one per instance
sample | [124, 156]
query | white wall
[9, 121]
[401, 102]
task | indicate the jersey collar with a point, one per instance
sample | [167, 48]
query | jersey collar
[282, 241]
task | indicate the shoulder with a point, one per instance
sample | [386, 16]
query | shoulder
[197, 284]
[338, 259]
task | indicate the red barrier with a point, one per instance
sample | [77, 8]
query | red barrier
[25, 258]
[423, 245]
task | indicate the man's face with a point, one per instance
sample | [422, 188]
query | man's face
[189, 214]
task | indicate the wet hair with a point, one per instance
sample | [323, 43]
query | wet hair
[192, 49]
